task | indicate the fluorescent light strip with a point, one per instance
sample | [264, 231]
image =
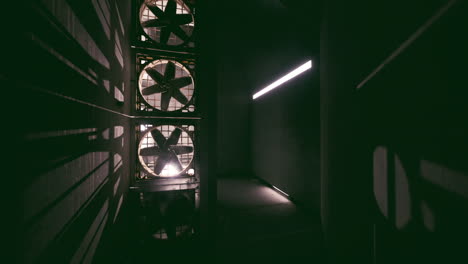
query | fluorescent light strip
[276, 188]
[304, 67]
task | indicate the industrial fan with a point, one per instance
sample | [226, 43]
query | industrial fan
[166, 85]
[170, 215]
[167, 22]
[166, 151]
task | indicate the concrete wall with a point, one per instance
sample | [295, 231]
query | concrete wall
[393, 139]
[420, 175]
[255, 41]
[231, 43]
[285, 135]
[285, 126]
[70, 80]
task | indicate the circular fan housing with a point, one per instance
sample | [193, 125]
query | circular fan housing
[166, 151]
[167, 22]
[166, 85]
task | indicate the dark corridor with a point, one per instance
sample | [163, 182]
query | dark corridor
[133, 135]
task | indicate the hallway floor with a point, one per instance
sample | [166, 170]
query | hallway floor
[255, 220]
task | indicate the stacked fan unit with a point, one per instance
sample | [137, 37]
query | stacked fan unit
[166, 24]
[166, 86]
[166, 128]
[166, 151]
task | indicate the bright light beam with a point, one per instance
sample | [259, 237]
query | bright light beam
[280, 191]
[304, 67]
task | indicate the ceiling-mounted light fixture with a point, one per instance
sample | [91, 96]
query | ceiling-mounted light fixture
[304, 67]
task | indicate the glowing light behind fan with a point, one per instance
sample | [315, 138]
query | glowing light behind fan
[170, 170]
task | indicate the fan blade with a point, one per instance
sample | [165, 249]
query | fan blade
[155, 75]
[174, 137]
[154, 89]
[176, 163]
[179, 32]
[169, 72]
[158, 137]
[171, 7]
[179, 150]
[182, 19]
[156, 11]
[154, 23]
[181, 82]
[161, 163]
[179, 96]
[151, 151]
[165, 100]
[165, 32]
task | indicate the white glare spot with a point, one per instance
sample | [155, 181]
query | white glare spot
[170, 170]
